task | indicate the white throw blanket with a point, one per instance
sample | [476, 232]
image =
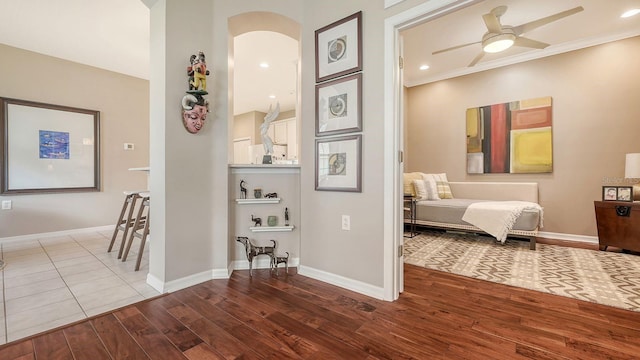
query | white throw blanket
[498, 217]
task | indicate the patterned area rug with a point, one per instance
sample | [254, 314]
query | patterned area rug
[601, 277]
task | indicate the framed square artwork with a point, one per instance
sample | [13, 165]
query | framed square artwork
[339, 163]
[339, 48]
[48, 148]
[339, 106]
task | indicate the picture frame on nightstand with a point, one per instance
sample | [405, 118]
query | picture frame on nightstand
[609, 193]
[625, 193]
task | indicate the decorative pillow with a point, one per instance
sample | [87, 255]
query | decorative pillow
[431, 187]
[408, 182]
[444, 190]
[421, 189]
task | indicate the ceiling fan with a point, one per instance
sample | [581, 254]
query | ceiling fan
[501, 37]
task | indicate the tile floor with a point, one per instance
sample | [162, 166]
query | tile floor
[54, 281]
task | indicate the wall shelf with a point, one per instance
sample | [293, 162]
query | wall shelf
[258, 201]
[271, 228]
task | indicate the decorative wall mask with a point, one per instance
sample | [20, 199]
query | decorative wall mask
[194, 106]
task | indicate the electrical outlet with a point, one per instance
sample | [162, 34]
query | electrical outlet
[6, 204]
[346, 222]
[129, 146]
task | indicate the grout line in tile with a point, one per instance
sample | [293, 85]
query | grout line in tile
[86, 242]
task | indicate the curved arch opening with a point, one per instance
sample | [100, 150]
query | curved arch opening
[264, 71]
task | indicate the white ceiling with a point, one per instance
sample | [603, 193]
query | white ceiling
[114, 35]
[252, 84]
[599, 22]
[109, 34]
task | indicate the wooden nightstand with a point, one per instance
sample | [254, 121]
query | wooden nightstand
[618, 224]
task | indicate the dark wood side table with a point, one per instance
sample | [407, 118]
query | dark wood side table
[618, 224]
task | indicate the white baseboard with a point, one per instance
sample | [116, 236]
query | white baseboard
[155, 283]
[569, 237]
[261, 263]
[55, 234]
[343, 282]
[222, 273]
[185, 282]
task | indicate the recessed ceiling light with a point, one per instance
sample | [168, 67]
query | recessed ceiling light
[264, 65]
[630, 13]
[424, 67]
[272, 96]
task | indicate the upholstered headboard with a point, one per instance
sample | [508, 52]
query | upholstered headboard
[521, 191]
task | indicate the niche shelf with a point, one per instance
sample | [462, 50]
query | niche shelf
[271, 228]
[258, 201]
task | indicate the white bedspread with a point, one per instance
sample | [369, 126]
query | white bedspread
[497, 217]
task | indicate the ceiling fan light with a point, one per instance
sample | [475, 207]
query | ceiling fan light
[497, 43]
[630, 13]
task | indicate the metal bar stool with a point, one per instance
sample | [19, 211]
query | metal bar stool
[140, 229]
[125, 219]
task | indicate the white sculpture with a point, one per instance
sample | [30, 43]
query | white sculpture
[264, 128]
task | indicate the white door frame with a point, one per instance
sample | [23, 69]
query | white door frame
[393, 139]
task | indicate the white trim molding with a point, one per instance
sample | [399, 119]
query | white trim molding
[187, 281]
[568, 237]
[261, 263]
[28, 237]
[343, 282]
[390, 3]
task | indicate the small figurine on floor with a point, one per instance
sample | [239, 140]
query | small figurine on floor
[253, 251]
[280, 260]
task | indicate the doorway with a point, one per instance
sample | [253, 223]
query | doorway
[394, 139]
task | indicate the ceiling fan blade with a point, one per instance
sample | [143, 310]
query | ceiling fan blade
[476, 59]
[526, 42]
[492, 23]
[524, 28]
[455, 47]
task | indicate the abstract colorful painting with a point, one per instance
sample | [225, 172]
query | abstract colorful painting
[54, 145]
[512, 137]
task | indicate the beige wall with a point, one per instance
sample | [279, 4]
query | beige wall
[123, 102]
[248, 124]
[595, 95]
[283, 181]
[286, 115]
[355, 254]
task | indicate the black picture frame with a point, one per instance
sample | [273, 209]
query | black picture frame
[609, 193]
[624, 193]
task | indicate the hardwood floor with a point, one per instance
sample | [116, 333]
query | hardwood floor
[439, 316]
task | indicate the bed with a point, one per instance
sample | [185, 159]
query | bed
[492, 202]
